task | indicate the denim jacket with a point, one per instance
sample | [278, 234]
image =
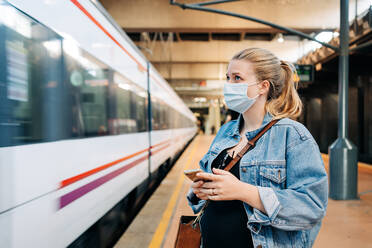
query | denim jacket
[287, 168]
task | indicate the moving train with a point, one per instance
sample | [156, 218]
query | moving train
[86, 122]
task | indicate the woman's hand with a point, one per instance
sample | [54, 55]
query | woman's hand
[197, 187]
[220, 186]
[224, 186]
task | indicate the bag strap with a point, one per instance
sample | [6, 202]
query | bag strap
[251, 143]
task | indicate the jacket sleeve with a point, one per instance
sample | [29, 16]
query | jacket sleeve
[302, 204]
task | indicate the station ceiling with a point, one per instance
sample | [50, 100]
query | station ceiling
[191, 49]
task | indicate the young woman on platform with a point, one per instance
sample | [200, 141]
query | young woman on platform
[276, 195]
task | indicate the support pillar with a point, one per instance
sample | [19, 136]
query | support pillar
[343, 161]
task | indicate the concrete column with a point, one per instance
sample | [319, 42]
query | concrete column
[214, 118]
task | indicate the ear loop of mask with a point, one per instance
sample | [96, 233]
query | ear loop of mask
[258, 92]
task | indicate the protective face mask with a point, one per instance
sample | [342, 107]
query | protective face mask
[236, 96]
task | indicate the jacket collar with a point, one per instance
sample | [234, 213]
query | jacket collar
[238, 124]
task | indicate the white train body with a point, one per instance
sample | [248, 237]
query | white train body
[55, 184]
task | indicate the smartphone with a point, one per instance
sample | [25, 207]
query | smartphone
[192, 174]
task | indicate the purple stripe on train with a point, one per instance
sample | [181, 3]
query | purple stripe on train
[79, 192]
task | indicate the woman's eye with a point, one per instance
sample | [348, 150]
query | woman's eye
[227, 78]
[237, 78]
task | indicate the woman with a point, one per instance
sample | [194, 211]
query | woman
[276, 195]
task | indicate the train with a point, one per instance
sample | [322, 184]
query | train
[86, 124]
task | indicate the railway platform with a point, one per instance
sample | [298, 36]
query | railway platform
[346, 224]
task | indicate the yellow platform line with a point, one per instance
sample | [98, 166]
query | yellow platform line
[158, 236]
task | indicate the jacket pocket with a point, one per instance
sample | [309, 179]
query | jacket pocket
[273, 177]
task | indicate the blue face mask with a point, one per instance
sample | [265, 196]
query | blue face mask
[236, 96]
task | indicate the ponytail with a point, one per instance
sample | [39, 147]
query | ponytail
[287, 103]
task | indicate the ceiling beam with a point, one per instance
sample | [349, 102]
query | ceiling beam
[222, 30]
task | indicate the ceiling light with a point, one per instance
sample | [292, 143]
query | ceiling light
[280, 38]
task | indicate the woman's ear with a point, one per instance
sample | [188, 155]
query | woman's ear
[265, 87]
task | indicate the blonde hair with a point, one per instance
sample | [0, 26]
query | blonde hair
[282, 100]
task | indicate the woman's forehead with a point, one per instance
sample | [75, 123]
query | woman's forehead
[240, 66]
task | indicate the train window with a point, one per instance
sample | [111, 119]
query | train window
[155, 114]
[163, 116]
[122, 121]
[29, 65]
[141, 111]
[130, 106]
[175, 119]
[86, 87]
[139, 108]
[179, 120]
[171, 118]
[160, 113]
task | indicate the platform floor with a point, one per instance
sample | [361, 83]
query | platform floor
[346, 224]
